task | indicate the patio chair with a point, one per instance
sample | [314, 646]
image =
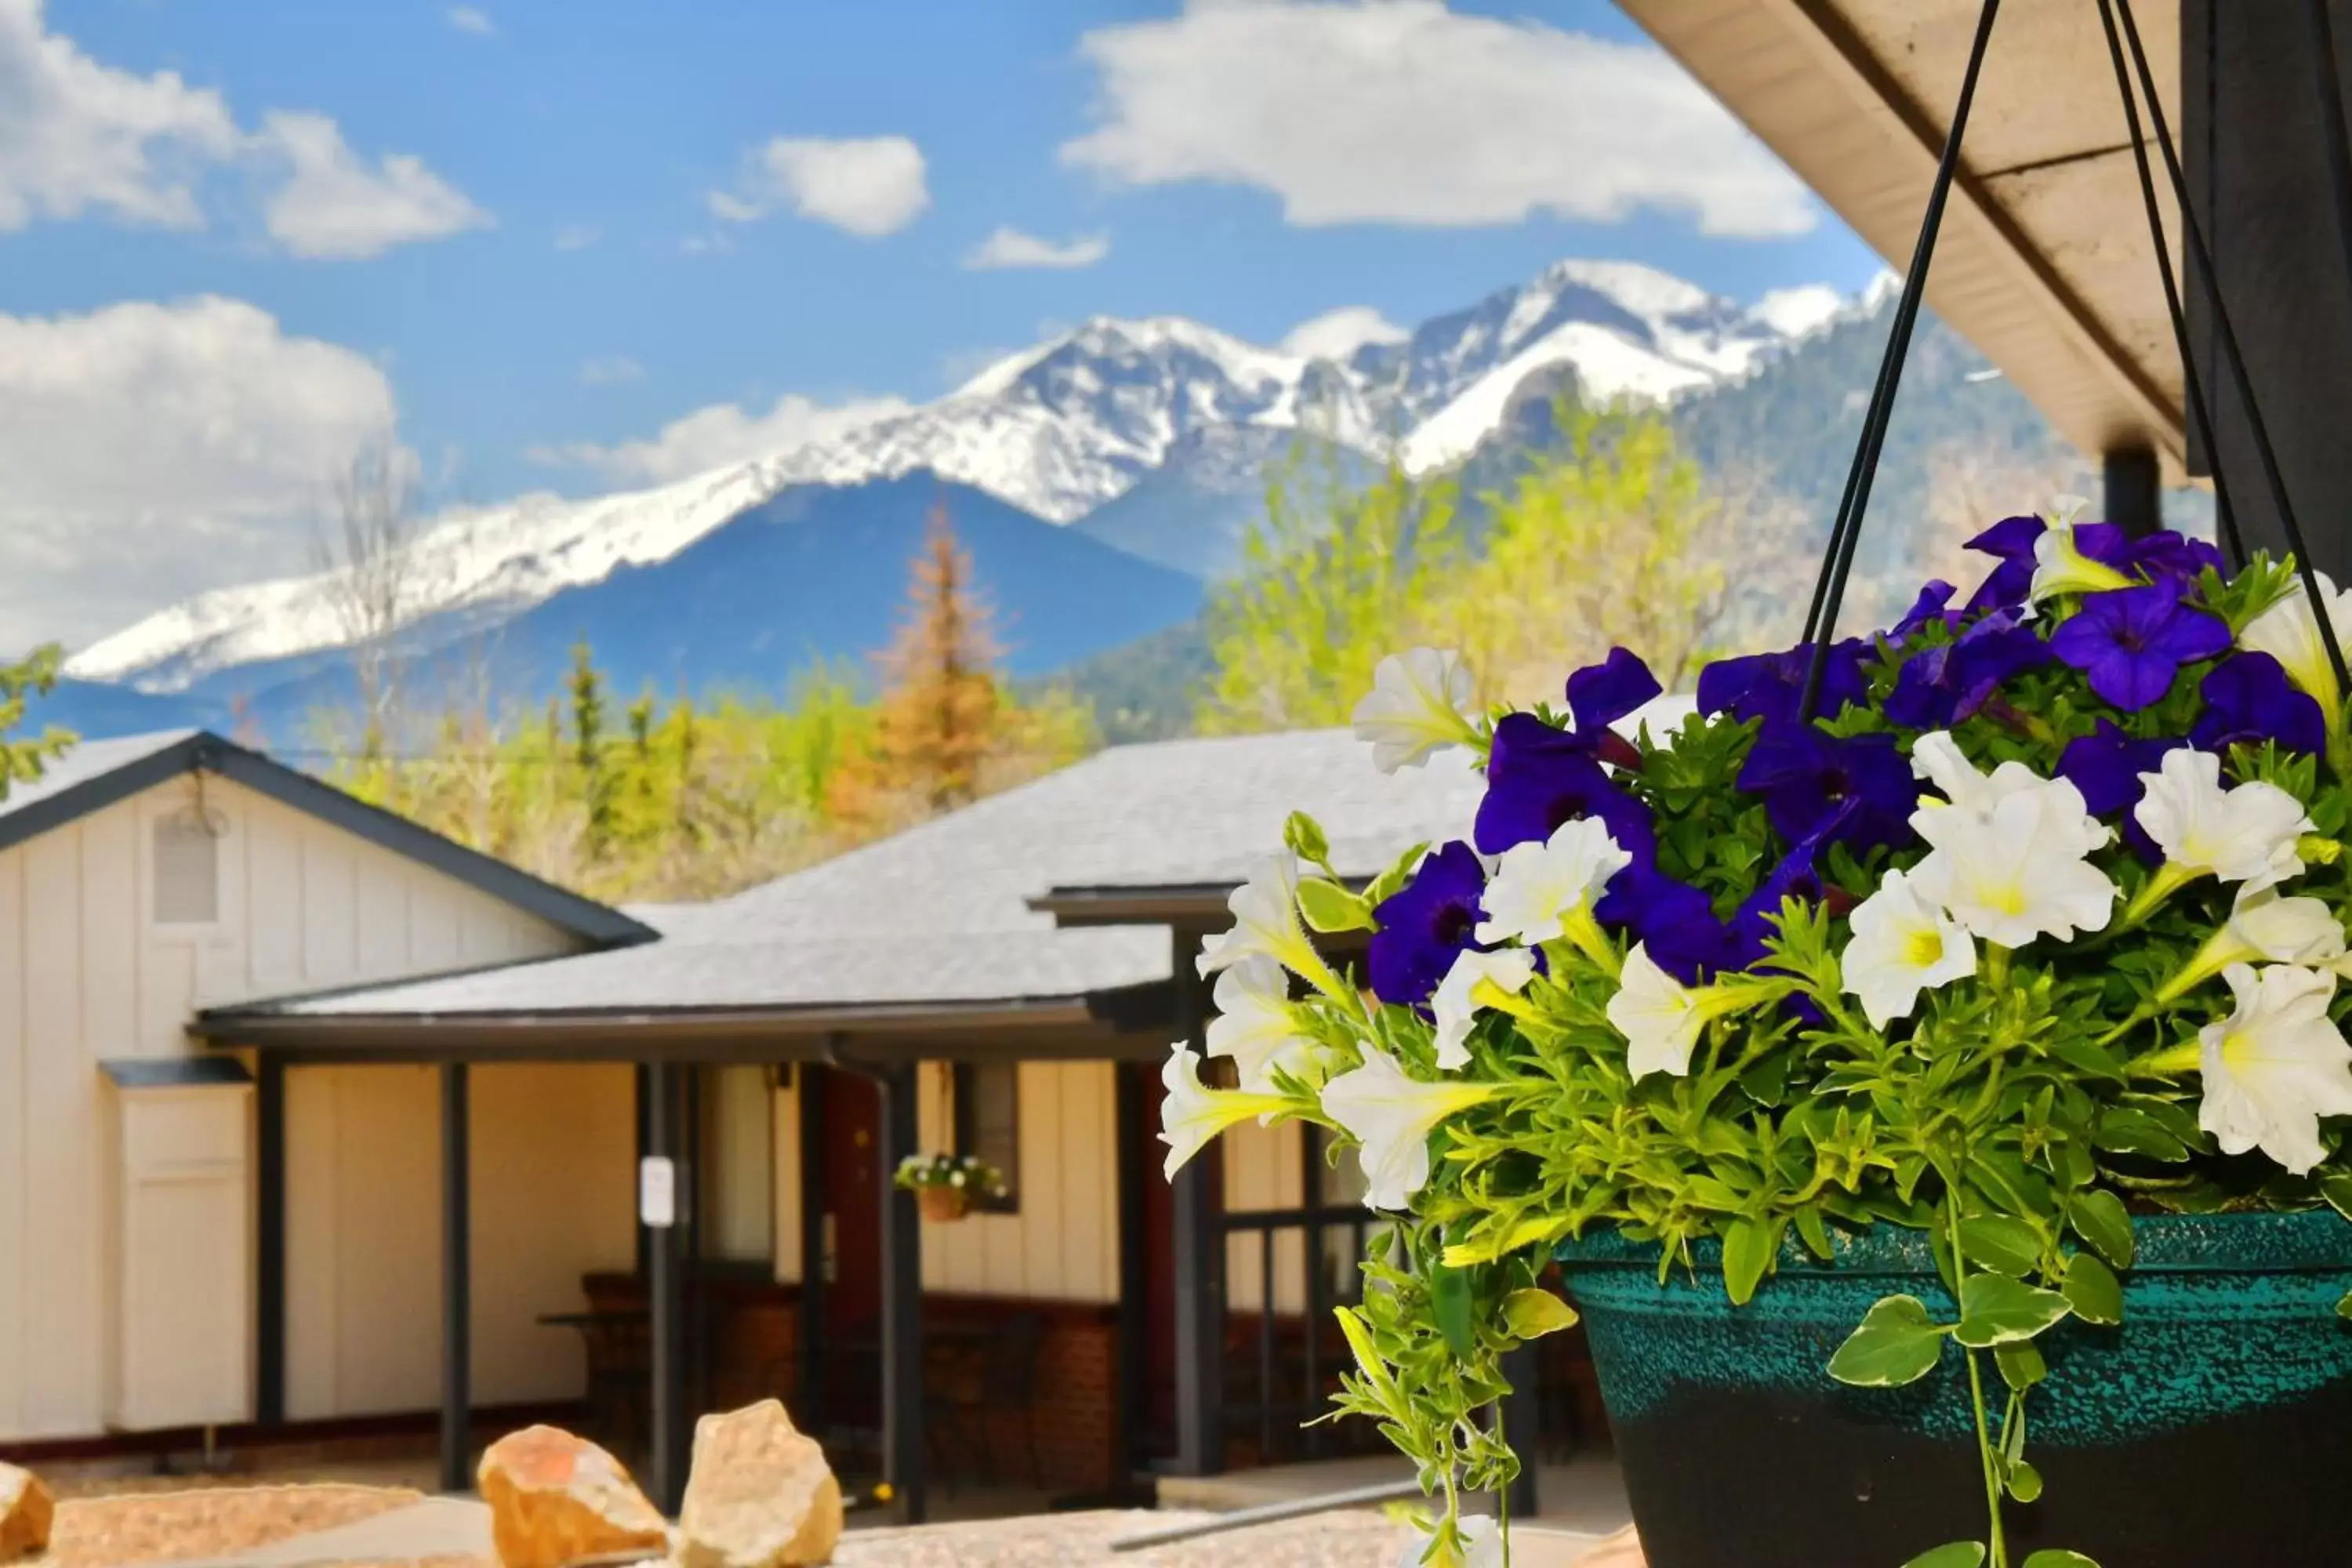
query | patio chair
[1005, 1384]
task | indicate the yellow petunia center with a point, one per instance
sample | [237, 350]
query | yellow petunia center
[1924, 948]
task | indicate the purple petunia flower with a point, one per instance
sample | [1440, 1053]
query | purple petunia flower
[1676, 922]
[1425, 924]
[2170, 557]
[1859, 788]
[1770, 685]
[2248, 701]
[1539, 777]
[1601, 694]
[2010, 543]
[2131, 642]
[1932, 604]
[2105, 766]
[1939, 686]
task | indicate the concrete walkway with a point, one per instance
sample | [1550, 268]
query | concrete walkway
[435, 1527]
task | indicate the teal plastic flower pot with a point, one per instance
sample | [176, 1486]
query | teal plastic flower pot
[2212, 1429]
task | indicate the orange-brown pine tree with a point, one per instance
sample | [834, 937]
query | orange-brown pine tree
[941, 715]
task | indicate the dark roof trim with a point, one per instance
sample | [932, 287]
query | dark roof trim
[1117, 1026]
[175, 1072]
[1194, 903]
[585, 918]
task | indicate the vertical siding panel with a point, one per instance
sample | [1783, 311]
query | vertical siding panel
[387, 1240]
[383, 913]
[1034, 1268]
[61, 1383]
[330, 926]
[313, 1314]
[110, 931]
[940, 1259]
[1088, 1180]
[274, 915]
[432, 928]
[15, 1176]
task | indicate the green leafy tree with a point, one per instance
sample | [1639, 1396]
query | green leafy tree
[21, 758]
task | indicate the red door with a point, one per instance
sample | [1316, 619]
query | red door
[851, 1214]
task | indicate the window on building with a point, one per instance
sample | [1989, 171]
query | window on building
[187, 869]
[988, 1123]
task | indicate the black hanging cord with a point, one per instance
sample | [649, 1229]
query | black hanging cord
[1831, 590]
[2189, 376]
[2321, 612]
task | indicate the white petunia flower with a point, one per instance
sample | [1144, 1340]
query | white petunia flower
[1901, 945]
[1391, 1116]
[1255, 1025]
[1265, 921]
[2059, 567]
[2016, 870]
[2289, 633]
[1419, 705]
[1474, 982]
[1545, 890]
[1935, 758]
[1193, 1114]
[2262, 928]
[1660, 1016]
[2276, 1066]
[1482, 1545]
[2247, 833]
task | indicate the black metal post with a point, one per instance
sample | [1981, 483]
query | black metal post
[813, 1080]
[1199, 1243]
[2135, 494]
[1310, 1195]
[1522, 1416]
[456, 1286]
[667, 1405]
[902, 1299]
[269, 1242]
[1136, 1166]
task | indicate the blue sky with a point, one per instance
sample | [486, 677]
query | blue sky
[595, 237]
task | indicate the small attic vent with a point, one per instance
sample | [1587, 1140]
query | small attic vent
[187, 867]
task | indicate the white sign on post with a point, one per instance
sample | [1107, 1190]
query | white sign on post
[657, 1192]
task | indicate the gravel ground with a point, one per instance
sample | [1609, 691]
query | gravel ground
[1350, 1540]
[155, 1522]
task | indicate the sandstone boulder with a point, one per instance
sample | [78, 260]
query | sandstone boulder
[1622, 1550]
[760, 1494]
[24, 1509]
[555, 1499]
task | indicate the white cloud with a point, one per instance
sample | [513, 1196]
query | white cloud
[609, 370]
[1008, 247]
[156, 449]
[78, 138]
[720, 433]
[1336, 335]
[1798, 311]
[334, 205]
[869, 186]
[467, 20]
[1401, 111]
[577, 236]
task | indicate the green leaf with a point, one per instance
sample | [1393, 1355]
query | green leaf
[1958, 1554]
[2336, 1188]
[1389, 881]
[1531, 1314]
[2003, 1245]
[1449, 1294]
[2344, 1308]
[2051, 1557]
[1748, 1250]
[1816, 1233]
[1329, 907]
[1304, 837]
[1997, 1311]
[2020, 1365]
[2098, 1217]
[2123, 1131]
[1897, 1343]
[2023, 1481]
[2093, 1291]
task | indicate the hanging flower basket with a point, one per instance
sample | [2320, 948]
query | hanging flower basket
[949, 1186]
[1933, 1031]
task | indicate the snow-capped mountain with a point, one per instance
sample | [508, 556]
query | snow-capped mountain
[1058, 430]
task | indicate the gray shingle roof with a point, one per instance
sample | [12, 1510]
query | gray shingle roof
[940, 913]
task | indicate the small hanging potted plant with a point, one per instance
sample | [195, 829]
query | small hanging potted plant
[1962, 1063]
[949, 1186]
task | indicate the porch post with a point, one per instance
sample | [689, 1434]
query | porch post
[2133, 498]
[1199, 1243]
[902, 1298]
[667, 1405]
[810, 1384]
[269, 1241]
[456, 1287]
[1134, 1166]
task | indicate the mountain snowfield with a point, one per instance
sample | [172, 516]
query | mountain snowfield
[1057, 430]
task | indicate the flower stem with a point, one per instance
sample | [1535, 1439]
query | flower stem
[2000, 1546]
